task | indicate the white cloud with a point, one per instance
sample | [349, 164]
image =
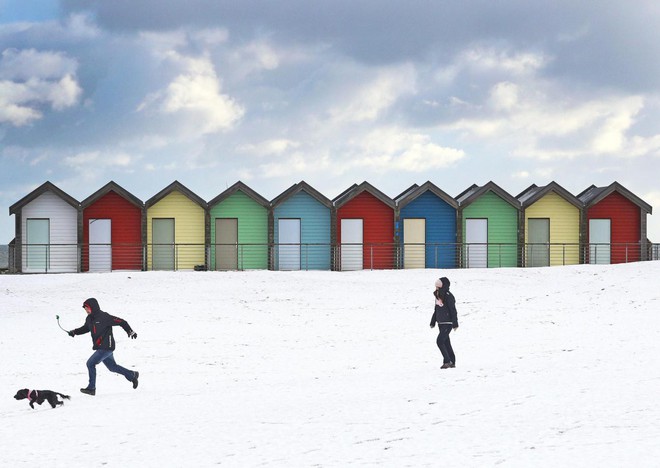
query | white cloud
[296, 163]
[481, 58]
[94, 163]
[542, 122]
[269, 147]
[195, 96]
[30, 80]
[20, 103]
[366, 102]
[393, 149]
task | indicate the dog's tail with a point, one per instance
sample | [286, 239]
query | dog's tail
[64, 396]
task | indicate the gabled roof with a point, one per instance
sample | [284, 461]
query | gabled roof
[528, 192]
[43, 188]
[466, 193]
[111, 187]
[474, 192]
[405, 192]
[175, 186]
[301, 186]
[344, 193]
[592, 195]
[240, 186]
[533, 194]
[365, 186]
[427, 187]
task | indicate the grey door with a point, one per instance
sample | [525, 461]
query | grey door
[163, 243]
[38, 240]
[538, 242]
[226, 240]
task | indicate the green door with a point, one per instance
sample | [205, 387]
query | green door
[38, 240]
[163, 243]
[538, 242]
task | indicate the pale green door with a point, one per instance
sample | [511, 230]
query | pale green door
[38, 240]
[163, 243]
[538, 242]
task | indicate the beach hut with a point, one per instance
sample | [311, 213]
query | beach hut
[488, 227]
[365, 228]
[302, 229]
[46, 232]
[176, 229]
[112, 230]
[551, 219]
[615, 224]
[239, 229]
[426, 224]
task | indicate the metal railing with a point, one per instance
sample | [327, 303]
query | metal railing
[66, 258]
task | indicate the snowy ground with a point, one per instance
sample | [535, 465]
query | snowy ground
[556, 367]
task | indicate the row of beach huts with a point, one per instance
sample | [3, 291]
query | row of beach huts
[361, 228]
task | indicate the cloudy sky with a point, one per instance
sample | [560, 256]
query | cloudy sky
[209, 92]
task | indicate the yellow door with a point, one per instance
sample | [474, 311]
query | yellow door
[414, 243]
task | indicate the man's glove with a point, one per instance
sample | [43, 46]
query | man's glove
[132, 334]
[71, 333]
[433, 325]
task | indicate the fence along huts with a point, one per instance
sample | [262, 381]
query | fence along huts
[302, 229]
[46, 231]
[113, 235]
[176, 229]
[427, 226]
[488, 227]
[551, 219]
[365, 228]
[239, 229]
[615, 224]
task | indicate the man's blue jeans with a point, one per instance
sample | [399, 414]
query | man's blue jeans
[105, 356]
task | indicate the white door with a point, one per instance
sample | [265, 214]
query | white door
[599, 241]
[476, 240]
[414, 243]
[289, 244]
[100, 245]
[351, 244]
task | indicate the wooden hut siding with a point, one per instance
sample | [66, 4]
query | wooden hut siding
[564, 227]
[189, 229]
[440, 218]
[126, 233]
[378, 229]
[62, 253]
[625, 219]
[314, 229]
[252, 230]
[502, 228]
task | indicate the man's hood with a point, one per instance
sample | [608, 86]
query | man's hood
[93, 304]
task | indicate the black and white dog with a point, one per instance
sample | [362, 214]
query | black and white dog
[39, 396]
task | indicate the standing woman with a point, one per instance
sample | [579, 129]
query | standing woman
[447, 319]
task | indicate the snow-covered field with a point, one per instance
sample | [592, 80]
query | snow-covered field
[555, 367]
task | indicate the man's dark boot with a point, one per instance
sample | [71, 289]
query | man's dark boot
[88, 391]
